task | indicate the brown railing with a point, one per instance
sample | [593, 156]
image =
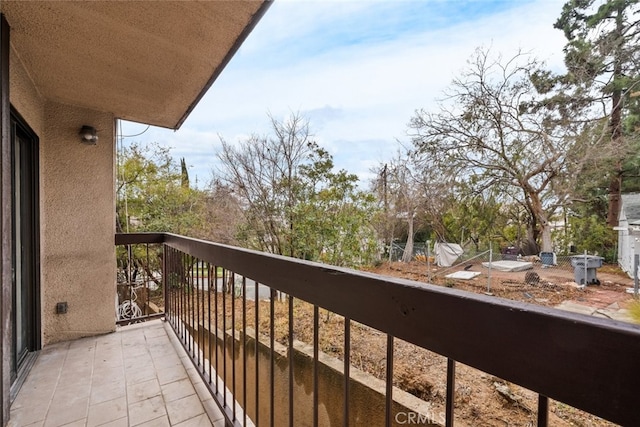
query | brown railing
[221, 301]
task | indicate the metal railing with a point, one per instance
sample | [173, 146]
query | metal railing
[210, 290]
[140, 294]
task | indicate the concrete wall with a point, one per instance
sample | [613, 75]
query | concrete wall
[77, 212]
[366, 396]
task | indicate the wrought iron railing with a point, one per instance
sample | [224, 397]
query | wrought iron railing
[140, 293]
[221, 302]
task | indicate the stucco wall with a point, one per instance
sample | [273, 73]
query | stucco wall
[24, 96]
[76, 212]
[78, 224]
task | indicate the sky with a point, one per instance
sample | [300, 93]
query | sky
[356, 69]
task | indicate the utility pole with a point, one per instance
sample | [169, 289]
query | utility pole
[384, 188]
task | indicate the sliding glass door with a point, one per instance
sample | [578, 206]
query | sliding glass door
[26, 238]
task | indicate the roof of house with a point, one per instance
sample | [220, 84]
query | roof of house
[631, 207]
[145, 61]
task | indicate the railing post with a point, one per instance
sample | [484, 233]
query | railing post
[490, 262]
[429, 261]
[451, 392]
[346, 370]
[290, 356]
[543, 410]
[316, 351]
[585, 268]
[389, 383]
[636, 264]
[164, 281]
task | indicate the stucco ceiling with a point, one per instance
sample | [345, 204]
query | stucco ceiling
[146, 61]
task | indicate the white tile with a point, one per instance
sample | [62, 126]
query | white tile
[66, 411]
[177, 390]
[199, 421]
[105, 392]
[128, 378]
[108, 411]
[146, 410]
[158, 422]
[141, 375]
[182, 409]
[143, 390]
[79, 423]
[29, 415]
[122, 422]
[166, 376]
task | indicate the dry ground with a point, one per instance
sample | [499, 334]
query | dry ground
[555, 286]
[481, 399]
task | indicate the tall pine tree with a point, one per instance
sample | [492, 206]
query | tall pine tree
[602, 56]
[184, 174]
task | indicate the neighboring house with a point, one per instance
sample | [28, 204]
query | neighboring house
[628, 231]
[65, 65]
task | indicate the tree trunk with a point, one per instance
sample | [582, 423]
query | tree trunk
[393, 228]
[615, 185]
[407, 256]
[542, 218]
[530, 246]
[547, 246]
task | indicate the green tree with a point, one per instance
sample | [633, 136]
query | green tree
[602, 58]
[477, 218]
[294, 203]
[333, 217]
[152, 195]
[184, 174]
[589, 233]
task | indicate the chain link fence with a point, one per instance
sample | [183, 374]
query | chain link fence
[396, 251]
[576, 267]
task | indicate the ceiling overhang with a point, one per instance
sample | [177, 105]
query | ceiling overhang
[145, 61]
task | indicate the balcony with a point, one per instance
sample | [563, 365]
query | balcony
[139, 375]
[239, 315]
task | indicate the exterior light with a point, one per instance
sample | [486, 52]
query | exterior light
[88, 135]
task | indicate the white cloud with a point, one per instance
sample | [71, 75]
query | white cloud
[357, 69]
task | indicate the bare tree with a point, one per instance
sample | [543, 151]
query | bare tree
[294, 202]
[223, 212]
[263, 172]
[407, 200]
[486, 135]
[412, 194]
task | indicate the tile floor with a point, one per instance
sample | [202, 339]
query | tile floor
[137, 376]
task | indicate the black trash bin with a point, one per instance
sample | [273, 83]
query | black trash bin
[510, 253]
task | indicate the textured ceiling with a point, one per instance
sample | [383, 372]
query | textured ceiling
[146, 61]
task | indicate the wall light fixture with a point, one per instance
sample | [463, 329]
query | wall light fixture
[88, 135]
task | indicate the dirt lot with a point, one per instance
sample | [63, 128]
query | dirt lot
[555, 285]
[481, 399]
